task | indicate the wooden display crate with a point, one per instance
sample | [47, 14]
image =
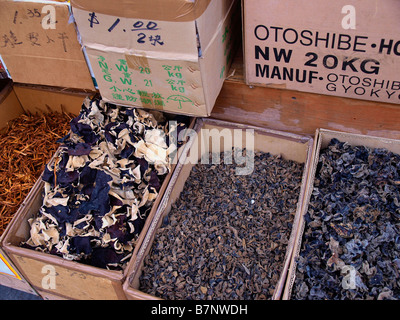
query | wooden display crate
[322, 140]
[73, 280]
[289, 146]
[10, 108]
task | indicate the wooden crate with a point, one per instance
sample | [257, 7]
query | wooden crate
[322, 139]
[290, 146]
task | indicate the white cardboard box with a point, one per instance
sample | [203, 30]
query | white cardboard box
[168, 55]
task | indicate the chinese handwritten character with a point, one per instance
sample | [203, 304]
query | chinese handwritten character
[63, 36]
[49, 40]
[117, 96]
[130, 98]
[157, 95]
[33, 37]
[224, 35]
[156, 40]
[93, 19]
[10, 40]
[129, 90]
[143, 93]
[115, 89]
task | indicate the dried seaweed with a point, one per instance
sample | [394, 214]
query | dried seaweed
[102, 186]
[226, 235]
[27, 144]
[351, 242]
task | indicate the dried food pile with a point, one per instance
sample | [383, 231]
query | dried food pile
[351, 242]
[101, 187]
[226, 236]
[27, 144]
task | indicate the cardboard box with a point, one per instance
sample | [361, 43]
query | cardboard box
[322, 140]
[290, 146]
[10, 108]
[332, 48]
[39, 45]
[42, 99]
[73, 280]
[168, 55]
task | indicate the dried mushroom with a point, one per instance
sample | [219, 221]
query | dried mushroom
[226, 235]
[102, 185]
[351, 242]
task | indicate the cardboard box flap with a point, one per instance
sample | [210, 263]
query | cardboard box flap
[161, 10]
[368, 15]
[212, 21]
[150, 32]
[116, 31]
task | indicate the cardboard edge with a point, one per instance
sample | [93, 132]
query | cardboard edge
[301, 223]
[181, 11]
[211, 80]
[244, 42]
[297, 220]
[132, 293]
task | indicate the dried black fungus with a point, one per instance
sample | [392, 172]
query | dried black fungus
[226, 235]
[350, 247]
[102, 185]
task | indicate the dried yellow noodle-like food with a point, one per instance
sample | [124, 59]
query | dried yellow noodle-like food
[27, 144]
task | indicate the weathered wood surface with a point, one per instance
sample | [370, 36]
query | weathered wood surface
[302, 112]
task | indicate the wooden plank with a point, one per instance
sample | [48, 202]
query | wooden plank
[11, 277]
[301, 112]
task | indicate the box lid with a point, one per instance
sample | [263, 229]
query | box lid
[161, 10]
